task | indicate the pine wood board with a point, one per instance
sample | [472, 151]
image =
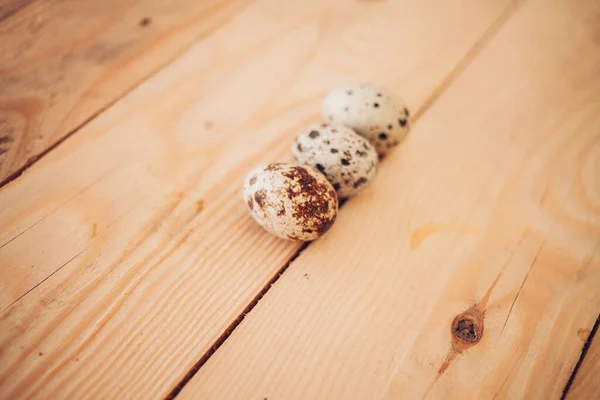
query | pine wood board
[63, 62]
[586, 384]
[471, 265]
[127, 250]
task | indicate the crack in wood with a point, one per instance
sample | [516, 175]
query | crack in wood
[520, 288]
[474, 317]
[509, 374]
[100, 178]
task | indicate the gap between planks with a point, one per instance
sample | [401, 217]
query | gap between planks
[13, 9]
[30, 162]
[436, 93]
[584, 351]
[232, 327]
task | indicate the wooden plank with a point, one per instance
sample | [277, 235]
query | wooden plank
[586, 384]
[468, 268]
[127, 251]
[62, 62]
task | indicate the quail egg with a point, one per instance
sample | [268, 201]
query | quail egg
[291, 201]
[371, 111]
[346, 159]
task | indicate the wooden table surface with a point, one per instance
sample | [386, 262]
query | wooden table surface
[130, 268]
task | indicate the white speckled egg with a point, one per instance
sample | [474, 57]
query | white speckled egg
[346, 159]
[371, 111]
[291, 201]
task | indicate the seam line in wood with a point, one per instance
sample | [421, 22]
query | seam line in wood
[584, 351]
[233, 326]
[16, 10]
[108, 105]
[468, 58]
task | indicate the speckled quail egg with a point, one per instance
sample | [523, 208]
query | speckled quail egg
[291, 201]
[346, 159]
[371, 111]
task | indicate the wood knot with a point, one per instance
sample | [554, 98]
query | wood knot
[467, 328]
[464, 329]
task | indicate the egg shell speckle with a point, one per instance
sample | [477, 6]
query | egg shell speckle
[371, 111]
[291, 201]
[346, 159]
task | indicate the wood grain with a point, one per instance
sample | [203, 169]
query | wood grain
[586, 385]
[127, 251]
[62, 62]
[470, 266]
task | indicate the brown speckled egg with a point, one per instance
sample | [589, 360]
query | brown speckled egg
[371, 111]
[346, 159]
[291, 201]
